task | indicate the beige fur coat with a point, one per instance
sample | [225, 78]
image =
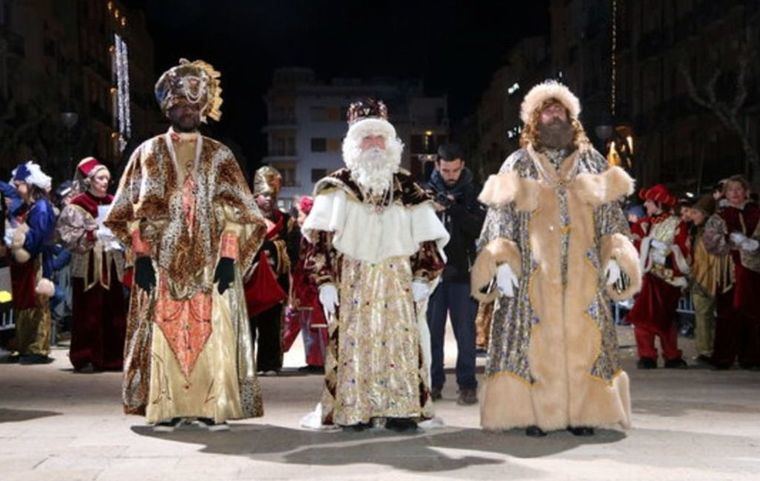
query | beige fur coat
[552, 355]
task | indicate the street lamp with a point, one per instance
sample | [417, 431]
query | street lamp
[69, 121]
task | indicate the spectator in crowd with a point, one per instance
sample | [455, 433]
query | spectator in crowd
[307, 313]
[663, 242]
[99, 305]
[60, 304]
[735, 231]
[456, 203]
[703, 278]
[271, 272]
[30, 244]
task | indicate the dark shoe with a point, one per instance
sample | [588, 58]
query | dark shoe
[721, 367]
[168, 426]
[311, 369]
[35, 359]
[676, 364]
[211, 425]
[535, 432]
[704, 360]
[401, 425]
[86, 369]
[646, 363]
[581, 431]
[436, 393]
[467, 397]
[357, 428]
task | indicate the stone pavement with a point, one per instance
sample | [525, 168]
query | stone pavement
[56, 425]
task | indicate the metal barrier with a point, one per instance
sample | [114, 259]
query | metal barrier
[685, 306]
[6, 317]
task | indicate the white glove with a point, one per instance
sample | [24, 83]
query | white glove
[420, 290]
[612, 272]
[506, 280]
[658, 245]
[737, 237]
[104, 235]
[750, 245]
[328, 297]
[9, 231]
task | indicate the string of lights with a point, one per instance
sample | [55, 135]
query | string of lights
[613, 60]
[121, 70]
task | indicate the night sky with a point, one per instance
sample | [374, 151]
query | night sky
[454, 46]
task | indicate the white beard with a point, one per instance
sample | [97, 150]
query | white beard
[373, 169]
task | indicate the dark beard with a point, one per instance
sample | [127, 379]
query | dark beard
[556, 135]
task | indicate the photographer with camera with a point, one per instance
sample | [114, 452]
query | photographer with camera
[456, 194]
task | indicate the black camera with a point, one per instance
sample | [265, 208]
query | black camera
[443, 199]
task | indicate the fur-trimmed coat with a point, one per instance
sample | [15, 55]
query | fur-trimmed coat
[552, 355]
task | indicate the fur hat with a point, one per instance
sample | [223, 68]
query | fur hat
[550, 89]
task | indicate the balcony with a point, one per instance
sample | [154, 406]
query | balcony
[279, 152]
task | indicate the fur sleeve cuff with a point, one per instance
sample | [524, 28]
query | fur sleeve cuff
[620, 248]
[496, 252]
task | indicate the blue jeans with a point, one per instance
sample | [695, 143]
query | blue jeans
[453, 298]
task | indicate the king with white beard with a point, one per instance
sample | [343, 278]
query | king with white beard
[376, 249]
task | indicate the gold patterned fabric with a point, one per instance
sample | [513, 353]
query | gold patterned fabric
[377, 366]
[87, 255]
[218, 380]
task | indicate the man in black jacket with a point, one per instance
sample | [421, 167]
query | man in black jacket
[457, 205]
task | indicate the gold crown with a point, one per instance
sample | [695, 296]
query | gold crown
[366, 108]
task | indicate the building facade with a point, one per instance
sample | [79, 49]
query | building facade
[307, 122]
[75, 80]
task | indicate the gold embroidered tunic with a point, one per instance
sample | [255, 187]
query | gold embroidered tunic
[372, 251]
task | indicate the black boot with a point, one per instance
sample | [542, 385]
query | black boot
[647, 363]
[678, 363]
[401, 425]
[581, 431]
[535, 432]
[357, 428]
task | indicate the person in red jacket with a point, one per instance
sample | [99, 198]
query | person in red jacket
[308, 312]
[664, 248]
[735, 230]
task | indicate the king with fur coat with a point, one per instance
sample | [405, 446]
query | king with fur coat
[554, 218]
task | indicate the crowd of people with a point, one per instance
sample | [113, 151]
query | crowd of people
[705, 250]
[195, 285]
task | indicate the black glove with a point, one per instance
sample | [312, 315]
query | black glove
[225, 273]
[145, 276]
